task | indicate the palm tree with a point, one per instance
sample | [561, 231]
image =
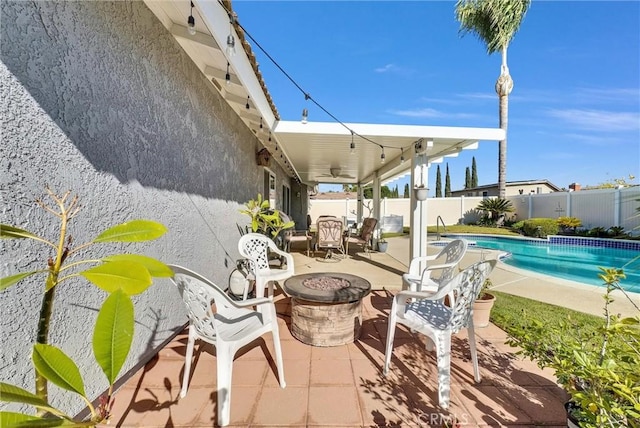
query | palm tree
[495, 207]
[495, 22]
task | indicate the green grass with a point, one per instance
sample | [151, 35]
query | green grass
[480, 230]
[513, 312]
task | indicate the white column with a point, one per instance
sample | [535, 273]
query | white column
[418, 210]
[360, 208]
[376, 204]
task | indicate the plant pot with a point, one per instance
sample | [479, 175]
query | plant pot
[382, 247]
[572, 422]
[421, 193]
[482, 310]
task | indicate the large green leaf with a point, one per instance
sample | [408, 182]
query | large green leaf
[113, 334]
[19, 420]
[131, 277]
[57, 367]
[133, 231]
[8, 232]
[8, 281]
[155, 267]
[14, 394]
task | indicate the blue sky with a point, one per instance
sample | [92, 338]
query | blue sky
[574, 113]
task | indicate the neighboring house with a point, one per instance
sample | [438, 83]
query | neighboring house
[513, 188]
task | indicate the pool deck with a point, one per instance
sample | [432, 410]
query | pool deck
[544, 288]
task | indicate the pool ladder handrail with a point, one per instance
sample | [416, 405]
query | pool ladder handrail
[438, 221]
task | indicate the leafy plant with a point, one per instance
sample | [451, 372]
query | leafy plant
[484, 290]
[569, 223]
[120, 275]
[617, 232]
[495, 207]
[264, 219]
[598, 369]
[540, 227]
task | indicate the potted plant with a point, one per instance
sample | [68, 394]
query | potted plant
[120, 275]
[598, 369]
[421, 192]
[382, 245]
[483, 305]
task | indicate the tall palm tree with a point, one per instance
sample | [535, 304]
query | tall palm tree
[495, 22]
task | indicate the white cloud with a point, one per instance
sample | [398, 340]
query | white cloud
[387, 68]
[618, 95]
[598, 120]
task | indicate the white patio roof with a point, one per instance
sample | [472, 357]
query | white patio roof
[310, 151]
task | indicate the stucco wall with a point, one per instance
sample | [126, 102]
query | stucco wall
[98, 98]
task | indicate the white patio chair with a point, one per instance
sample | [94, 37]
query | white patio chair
[226, 324]
[257, 247]
[427, 313]
[421, 280]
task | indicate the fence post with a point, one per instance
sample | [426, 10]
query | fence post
[461, 208]
[530, 206]
[569, 204]
[616, 208]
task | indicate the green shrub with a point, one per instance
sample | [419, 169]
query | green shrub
[518, 226]
[540, 227]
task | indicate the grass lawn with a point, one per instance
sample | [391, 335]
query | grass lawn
[513, 312]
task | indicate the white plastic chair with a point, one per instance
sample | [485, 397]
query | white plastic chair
[226, 324]
[421, 280]
[256, 247]
[427, 313]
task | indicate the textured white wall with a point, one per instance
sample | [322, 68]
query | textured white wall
[98, 98]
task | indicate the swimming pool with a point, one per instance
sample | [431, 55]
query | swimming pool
[562, 258]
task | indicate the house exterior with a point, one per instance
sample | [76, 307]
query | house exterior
[98, 98]
[514, 188]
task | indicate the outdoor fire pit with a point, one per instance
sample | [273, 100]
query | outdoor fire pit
[326, 308]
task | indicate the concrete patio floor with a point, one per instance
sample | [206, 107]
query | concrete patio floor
[343, 386]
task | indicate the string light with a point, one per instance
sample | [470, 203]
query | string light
[231, 41]
[247, 104]
[352, 146]
[305, 113]
[191, 22]
[227, 77]
[260, 123]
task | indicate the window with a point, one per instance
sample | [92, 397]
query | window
[286, 199]
[270, 187]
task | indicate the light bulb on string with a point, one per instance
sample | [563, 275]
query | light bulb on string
[247, 106]
[305, 115]
[401, 155]
[191, 22]
[352, 146]
[382, 156]
[227, 77]
[231, 41]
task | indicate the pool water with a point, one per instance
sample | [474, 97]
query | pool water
[573, 262]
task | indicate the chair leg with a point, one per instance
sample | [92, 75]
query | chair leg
[474, 351]
[224, 366]
[443, 349]
[187, 361]
[391, 331]
[278, 350]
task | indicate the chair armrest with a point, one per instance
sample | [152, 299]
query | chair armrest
[415, 263]
[252, 302]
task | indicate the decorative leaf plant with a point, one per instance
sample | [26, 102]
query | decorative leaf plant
[265, 219]
[120, 275]
[598, 369]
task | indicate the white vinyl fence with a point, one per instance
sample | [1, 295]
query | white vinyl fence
[596, 208]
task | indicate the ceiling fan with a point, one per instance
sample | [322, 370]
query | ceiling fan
[336, 173]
